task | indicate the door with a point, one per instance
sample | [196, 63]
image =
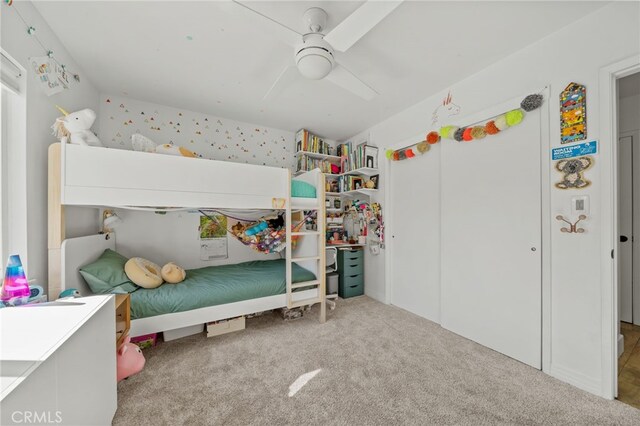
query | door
[415, 234]
[491, 240]
[625, 220]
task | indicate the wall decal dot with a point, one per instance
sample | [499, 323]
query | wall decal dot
[142, 113]
[108, 101]
[126, 110]
[152, 119]
[180, 114]
[121, 105]
[146, 121]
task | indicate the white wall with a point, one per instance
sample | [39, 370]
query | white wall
[573, 341]
[212, 137]
[40, 115]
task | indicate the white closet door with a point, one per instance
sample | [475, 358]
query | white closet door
[415, 234]
[491, 240]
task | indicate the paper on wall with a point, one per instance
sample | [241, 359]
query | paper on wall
[215, 248]
[51, 76]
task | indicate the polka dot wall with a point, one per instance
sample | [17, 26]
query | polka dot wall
[208, 136]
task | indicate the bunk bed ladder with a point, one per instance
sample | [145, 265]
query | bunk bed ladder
[319, 257]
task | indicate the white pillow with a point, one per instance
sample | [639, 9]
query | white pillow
[142, 143]
[143, 272]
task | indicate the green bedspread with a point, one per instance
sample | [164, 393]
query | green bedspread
[216, 285]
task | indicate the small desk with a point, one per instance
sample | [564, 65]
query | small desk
[59, 362]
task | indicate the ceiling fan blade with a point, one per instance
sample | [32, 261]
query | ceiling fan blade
[282, 32]
[344, 78]
[360, 22]
[286, 77]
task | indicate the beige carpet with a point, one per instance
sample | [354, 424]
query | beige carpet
[380, 365]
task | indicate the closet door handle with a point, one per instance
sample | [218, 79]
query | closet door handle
[624, 238]
[353, 276]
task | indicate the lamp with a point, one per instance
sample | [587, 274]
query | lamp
[15, 287]
[110, 220]
[314, 57]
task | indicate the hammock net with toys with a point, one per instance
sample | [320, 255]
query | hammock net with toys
[266, 235]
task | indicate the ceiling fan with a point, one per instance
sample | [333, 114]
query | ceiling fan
[314, 50]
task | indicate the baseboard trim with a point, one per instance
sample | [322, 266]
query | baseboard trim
[577, 379]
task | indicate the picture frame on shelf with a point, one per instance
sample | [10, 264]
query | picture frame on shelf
[358, 183]
[371, 156]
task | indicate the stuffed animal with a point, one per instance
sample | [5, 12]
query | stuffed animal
[170, 149]
[172, 273]
[277, 222]
[144, 144]
[238, 228]
[75, 127]
[129, 359]
[70, 292]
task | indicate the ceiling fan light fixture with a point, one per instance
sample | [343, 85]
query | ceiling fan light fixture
[314, 66]
[314, 57]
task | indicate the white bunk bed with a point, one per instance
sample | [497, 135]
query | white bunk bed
[103, 177]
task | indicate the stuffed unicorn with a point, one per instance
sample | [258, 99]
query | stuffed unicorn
[75, 127]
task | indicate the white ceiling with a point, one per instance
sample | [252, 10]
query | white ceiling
[141, 48]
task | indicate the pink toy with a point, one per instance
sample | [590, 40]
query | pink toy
[129, 359]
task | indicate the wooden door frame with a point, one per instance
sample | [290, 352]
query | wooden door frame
[608, 77]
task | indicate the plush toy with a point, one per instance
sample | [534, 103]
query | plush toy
[238, 228]
[277, 222]
[170, 149]
[129, 360]
[370, 184]
[173, 273]
[75, 127]
[70, 292]
[144, 144]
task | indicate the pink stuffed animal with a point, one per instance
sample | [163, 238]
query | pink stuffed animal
[129, 359]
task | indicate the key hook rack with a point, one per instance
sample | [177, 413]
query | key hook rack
[573, 227]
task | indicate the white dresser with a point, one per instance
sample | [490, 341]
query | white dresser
[58, 363]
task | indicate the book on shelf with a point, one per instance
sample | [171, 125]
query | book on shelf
[350, 183]
[308, 142]
[361, 156]
[306, 164]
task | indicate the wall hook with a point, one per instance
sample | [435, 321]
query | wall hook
[573, 227]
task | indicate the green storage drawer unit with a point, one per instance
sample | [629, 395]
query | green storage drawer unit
[350, 273]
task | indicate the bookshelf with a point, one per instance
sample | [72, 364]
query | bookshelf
[351, 172]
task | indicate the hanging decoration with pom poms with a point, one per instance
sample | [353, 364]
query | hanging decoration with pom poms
[494, 126]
